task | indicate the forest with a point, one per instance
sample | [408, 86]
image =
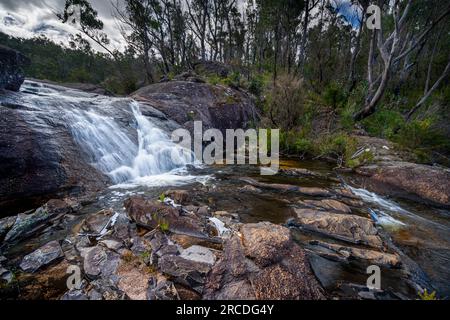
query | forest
[102, 197]
[315, 68]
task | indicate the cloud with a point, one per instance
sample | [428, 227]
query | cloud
[27, 19]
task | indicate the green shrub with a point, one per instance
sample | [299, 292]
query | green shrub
[384, 123]
[334, 95]
[256, 85]
[422, 138]
[338, 146]
[303, 146]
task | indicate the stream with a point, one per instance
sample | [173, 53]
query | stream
[136, 153]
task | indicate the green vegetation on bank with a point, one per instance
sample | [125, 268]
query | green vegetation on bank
[316, 72]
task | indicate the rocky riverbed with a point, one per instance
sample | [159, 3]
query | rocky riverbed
[94, 207]
[303, 234]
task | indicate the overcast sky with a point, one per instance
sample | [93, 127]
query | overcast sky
[29, 18]
[33, 17]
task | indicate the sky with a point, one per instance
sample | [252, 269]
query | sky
[28, 18]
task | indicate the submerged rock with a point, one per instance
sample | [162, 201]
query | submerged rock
[41, 257]
[310, 191]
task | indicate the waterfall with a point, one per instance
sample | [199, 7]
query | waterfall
[115, 154]
[110, 133]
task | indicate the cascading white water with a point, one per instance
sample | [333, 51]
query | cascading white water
[118, 140]
[114, 153]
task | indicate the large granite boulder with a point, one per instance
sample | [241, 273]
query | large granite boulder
[428, 183]
[11, 73]
[216, 106]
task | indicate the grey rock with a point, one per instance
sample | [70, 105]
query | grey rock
[199, 254]
[74, 295]
[100, 262]
[41, 257]
[11, 73]
[161, 290]
[185, 272]
[6, 224]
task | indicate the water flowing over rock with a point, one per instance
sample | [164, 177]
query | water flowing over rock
[216, 106]
[55, 141]
[431, 184]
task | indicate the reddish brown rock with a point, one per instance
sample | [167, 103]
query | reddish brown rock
[272, 268]
[429, 183]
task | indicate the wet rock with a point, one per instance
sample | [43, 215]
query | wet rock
[250, 188]
[45, 284]
[96, 222]
[95, 89]
[185, 272]
[203, 211]
[41, 257]
[296, 172]
[310, 191]
[58, 206]
[265, 242]
[5, 225]
[179, 196]
[11, 73]
[199, 254]
[345, 253]
[327, 204]
[27, 224]
[152, 214]
[345, 227]
[429, 183]
[39, 158]
[185, 102]
[100, 262]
